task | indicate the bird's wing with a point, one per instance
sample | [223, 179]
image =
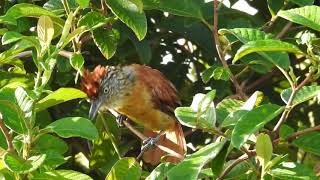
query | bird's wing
[164, 94]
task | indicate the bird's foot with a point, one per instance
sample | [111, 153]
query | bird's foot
[149, 143]
[120, 119]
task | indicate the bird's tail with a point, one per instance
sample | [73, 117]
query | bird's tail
[173, 140]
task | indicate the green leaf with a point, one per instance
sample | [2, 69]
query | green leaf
[66, 30]
[293, 171]
[106, 41]
[307, 16]
[53, 160]
[274, 6]
[304, 94]
[190, 167]
[74, 127]
[129, 14]
[59, 96]
[45, 31]
[221, 73]
[13, 116]
[264, 149]
[254, 100]
[285, 131]
[24, 101]
[77, 61]
[233, 118]
[186, 8]
[18, 165]
[93, 20]
[48, 142]
[125, 168]
[309, 142]
[265, 45]
[139, 4]
[160, 172]
[230, 105]
[218, 162]
[29, 10]
[10, 37]
[83, 3]
[302, 2]
[252, 121]
[144, 50]
[61, 175]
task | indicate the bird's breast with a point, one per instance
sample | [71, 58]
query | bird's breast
[138, 106]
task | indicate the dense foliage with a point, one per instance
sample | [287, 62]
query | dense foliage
[248, 82]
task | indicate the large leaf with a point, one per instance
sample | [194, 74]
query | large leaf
[309, 142]
[106, 41]
[304, 94]
[59, 96]
[28, 10]
[125, 168]
[48, 142]
[187, 8]
[246, 34]
[293, 171]
[74, 127]
[307, 16]
[129, 13]
[252, 121]
[191, 166]
[13, 116]
[265, 45]
[10, 36]
[18, 165]
[160, 172]
[93, 19]
[61, 175]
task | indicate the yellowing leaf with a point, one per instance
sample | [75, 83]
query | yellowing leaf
[264, 149]
[45, 30]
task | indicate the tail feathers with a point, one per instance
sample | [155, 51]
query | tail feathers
[173, 139]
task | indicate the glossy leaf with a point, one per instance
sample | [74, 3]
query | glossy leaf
[49, 142]
[307, 16]
[188, 117]
[10, 37]
[191, 166]
[59, 96]
[274, 6]
[24, 101]
[230, 105]
[304, 94]
[252, 121]
[129, 14]
[233, 118]
[309, 142]
[254, 100]
[302, 2]
[77, 61]
[62, 175]
[186, 8]
[13, 116]
[125, 168]
[74, 127]
[160, 172]
[106, 41]
[93, 20]
[45, 30]
[18, 165]
[264, 149]
[265, 45]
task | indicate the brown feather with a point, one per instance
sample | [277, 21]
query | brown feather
[91, 81]
[164, 94]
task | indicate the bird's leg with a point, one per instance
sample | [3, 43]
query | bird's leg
[148, 143]
[120, 119]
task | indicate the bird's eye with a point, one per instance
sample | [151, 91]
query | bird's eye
[105, 90]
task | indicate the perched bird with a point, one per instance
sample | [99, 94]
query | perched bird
[143, 95]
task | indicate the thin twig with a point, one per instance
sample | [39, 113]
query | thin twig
[232, 165]
[6, 135]
[143, 137]
[66, 54]
[284, 30]
[299, 133]
[220, 51]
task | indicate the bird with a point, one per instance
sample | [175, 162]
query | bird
[143, 95]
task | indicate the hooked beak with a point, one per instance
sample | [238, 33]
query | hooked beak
[95, 105]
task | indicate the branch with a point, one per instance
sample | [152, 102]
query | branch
[284, 30]
[232, 165]
[220, 51]
[299, 133]
[6, 135]
[288, 107]
[66, 54]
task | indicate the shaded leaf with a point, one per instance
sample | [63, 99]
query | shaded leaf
[106, 41]
[49, 142]
[252, 121]
[129, 14]
[18, 165]
[309, 142]
[302, 2]
[125, 168]
[74, 127]
[62, 175]
[59, 96]
[93, 20]
[294, 171]
[77, 61]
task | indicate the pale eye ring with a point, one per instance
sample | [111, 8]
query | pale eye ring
[105, 90]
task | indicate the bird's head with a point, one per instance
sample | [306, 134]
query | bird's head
[105, 86]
